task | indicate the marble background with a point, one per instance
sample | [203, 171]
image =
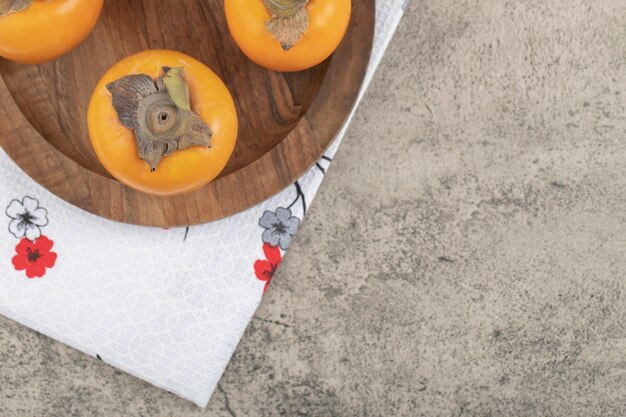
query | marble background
[466, 255]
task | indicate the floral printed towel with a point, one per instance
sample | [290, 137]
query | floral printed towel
[107, 289]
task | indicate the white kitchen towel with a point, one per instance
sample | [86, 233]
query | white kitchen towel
[168, 306]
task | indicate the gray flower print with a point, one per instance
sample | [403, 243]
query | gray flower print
[26, 218]
[279, 227]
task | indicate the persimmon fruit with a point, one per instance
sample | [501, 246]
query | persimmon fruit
[37, 31]
[288, 35]
[162, 122]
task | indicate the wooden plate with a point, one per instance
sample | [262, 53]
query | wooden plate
[286, 121]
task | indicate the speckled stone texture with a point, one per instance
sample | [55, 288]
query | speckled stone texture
[466, 255]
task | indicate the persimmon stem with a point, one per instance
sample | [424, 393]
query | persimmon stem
[289, 22]
[159, 112]
[285, 8]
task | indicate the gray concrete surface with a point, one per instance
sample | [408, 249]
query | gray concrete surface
[465, 257]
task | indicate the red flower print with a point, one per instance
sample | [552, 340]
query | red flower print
[34, 257]
[265, 269]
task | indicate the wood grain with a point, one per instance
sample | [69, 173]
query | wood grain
[286, 120]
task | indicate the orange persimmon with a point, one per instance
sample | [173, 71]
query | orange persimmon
[148, 147]
[45, 29]
[288, 35]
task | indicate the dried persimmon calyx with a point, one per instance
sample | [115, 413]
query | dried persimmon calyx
[159, 112]
[289, 22]
[8, 7]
